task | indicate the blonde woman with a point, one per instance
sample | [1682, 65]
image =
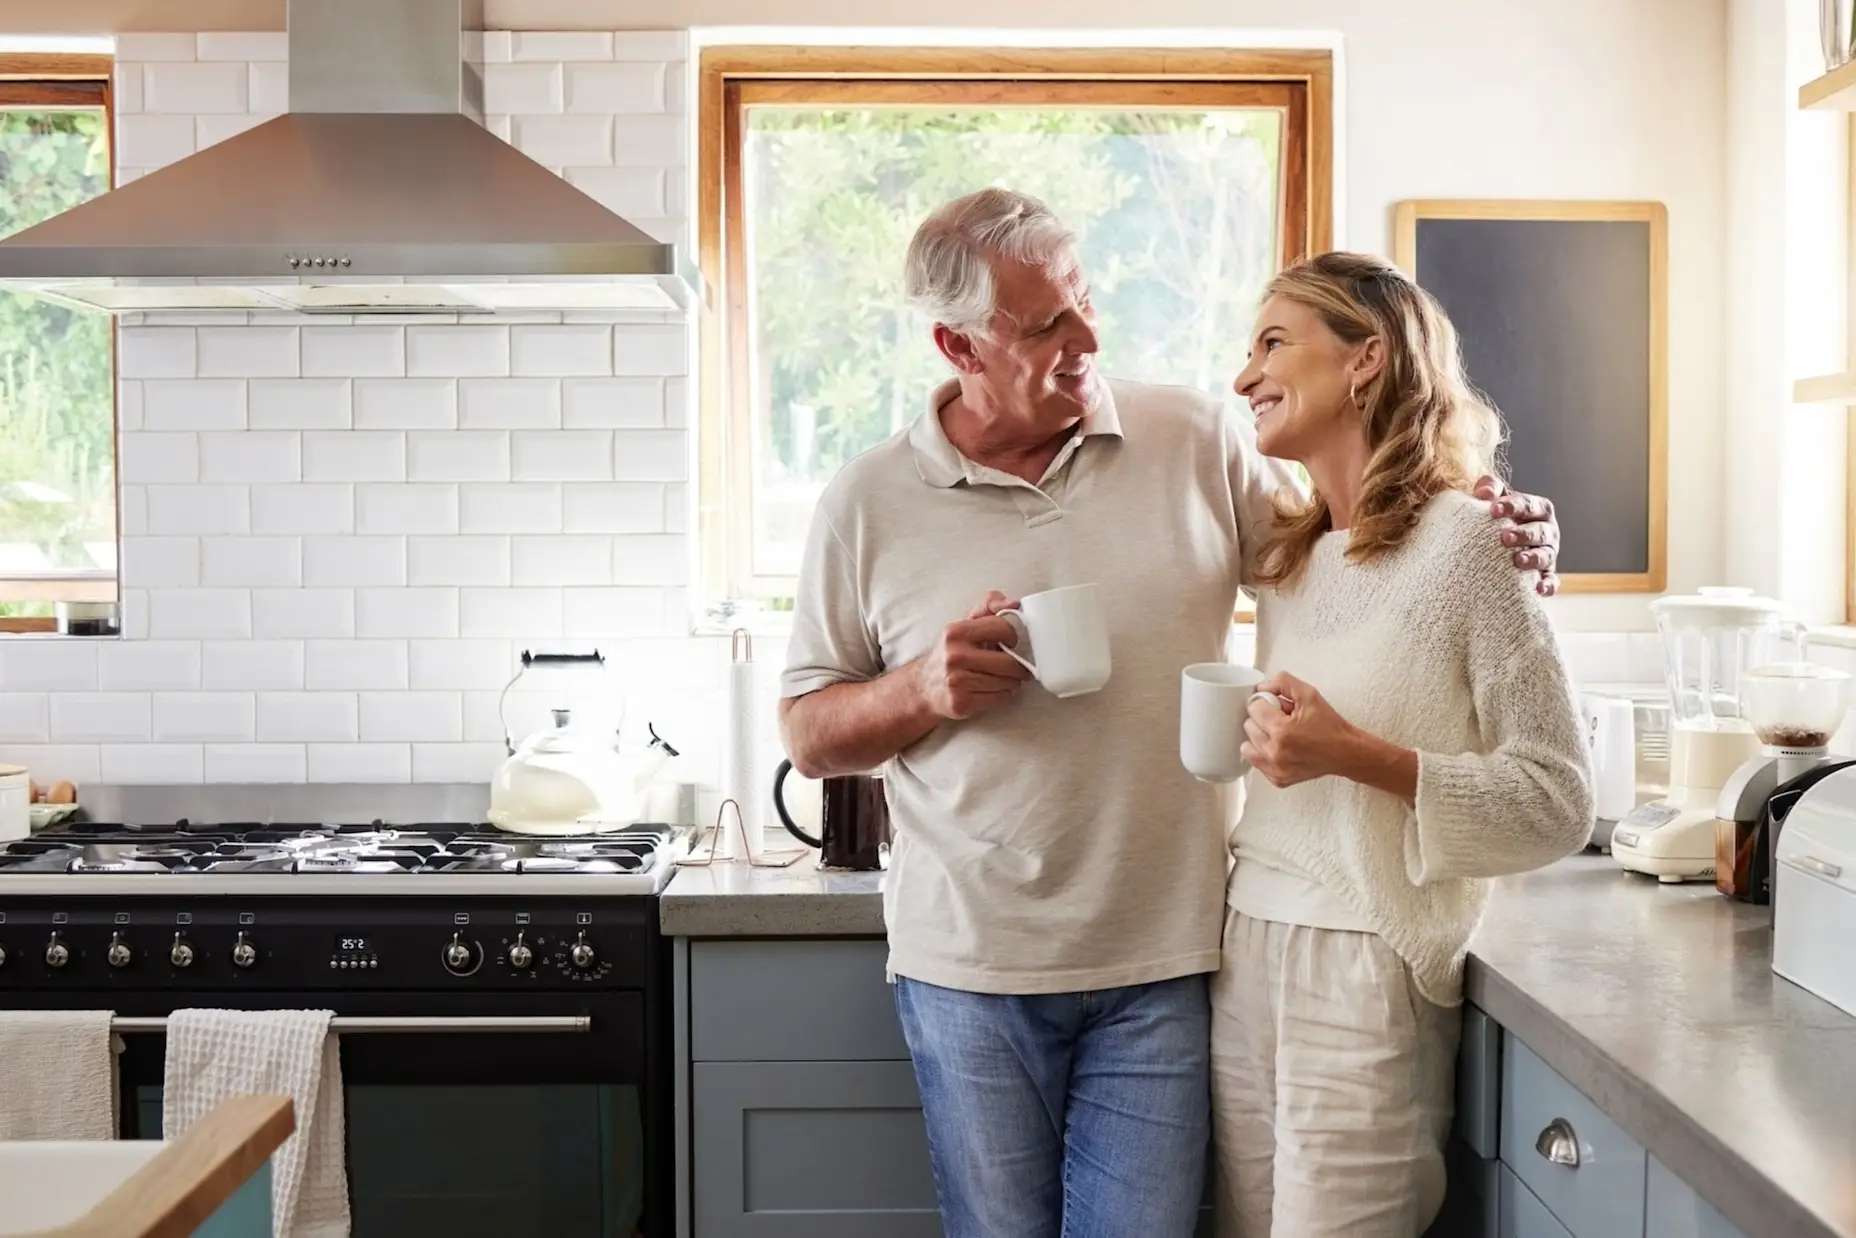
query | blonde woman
[1427, 741]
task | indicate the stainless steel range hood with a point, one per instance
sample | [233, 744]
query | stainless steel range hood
[379, 192]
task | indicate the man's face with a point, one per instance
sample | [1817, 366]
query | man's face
[1037, 356]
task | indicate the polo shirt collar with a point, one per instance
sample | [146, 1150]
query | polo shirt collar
[940, 462]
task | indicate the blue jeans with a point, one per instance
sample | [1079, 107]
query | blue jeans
[1067, 1115]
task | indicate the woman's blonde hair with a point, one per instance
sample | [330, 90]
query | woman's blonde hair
[1427, 429]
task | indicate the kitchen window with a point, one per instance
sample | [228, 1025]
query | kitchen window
[1190, 175]
[57, 363]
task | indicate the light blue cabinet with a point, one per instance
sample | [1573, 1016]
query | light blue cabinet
[1577, 1161]
[1673, 1210]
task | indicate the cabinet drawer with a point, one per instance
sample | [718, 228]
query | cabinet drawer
[810, 1150]
[1522, 1213]
[1674, 1210]
[1600, 1197]
[792, 1001]
[1479, 1084]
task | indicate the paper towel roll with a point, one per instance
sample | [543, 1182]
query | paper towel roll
[741, 780]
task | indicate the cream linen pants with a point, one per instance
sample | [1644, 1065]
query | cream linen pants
[1332, 1086]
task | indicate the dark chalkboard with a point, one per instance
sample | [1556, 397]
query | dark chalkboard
[1560, 306]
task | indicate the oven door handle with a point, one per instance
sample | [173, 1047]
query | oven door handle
[351, 1024]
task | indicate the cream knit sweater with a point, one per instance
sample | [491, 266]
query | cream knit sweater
[1440, 646]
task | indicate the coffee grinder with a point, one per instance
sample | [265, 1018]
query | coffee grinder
[1794, 709]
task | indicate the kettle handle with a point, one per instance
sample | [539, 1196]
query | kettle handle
[779, 806]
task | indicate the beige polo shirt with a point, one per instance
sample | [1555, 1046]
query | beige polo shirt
[1047, 845]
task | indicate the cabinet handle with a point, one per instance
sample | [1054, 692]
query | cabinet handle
[1559, 1144]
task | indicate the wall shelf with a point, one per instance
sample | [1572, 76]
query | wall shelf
[1835, 91]
[1825, 389]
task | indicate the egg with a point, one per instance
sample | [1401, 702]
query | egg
[62, 793]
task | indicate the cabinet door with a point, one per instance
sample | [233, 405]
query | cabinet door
[793, 1001]
[1522, 1213]
[810, 1150]
[1673, 1210]
[1599, 1194]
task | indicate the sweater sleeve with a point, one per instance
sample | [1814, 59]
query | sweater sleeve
[1525, 798]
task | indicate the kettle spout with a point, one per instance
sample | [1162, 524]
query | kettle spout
[656, 754]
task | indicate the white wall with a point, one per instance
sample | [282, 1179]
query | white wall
[338, 537]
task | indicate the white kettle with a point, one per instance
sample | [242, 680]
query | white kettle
[571, 779]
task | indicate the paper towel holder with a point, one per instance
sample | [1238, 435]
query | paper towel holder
[756, 858]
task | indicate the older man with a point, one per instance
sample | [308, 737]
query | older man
[1056, 891]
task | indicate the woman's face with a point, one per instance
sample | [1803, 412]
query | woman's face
[1299, 380]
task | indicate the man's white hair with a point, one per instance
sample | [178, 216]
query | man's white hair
[948, 275]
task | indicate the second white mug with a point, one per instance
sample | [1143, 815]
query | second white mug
[1062, 639]
[1214, 701]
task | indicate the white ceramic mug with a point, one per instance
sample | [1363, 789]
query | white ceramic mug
[1062, 639]
[1214, 701]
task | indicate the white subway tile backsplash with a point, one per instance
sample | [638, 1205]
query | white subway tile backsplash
[144, 141]
[408, 612]
[519, 614]
[300, 404]
[455, 762]
[248, 352]
[155, 352]
[400, 717]
[562, 141]
[560, 45]
[238, 45]
[251, 665]
[209, 130]
[148, 666]
[382, 508]
[560, 350]
[354, 352]
[177, 86]
[405, 403]
[198, 509]
[348, 561]
[677, 403]
[354, 455]
[138, 46]
[561, 455]
[302, 613]
[592, 614]
[195, 717]
[612, 507]
[150, 763]
[99, 717]
[646, 349]
[255, 763]
[129, 405]
[303, 509]
[126, 91]
[191, 404]
[1596, 657]
[677, 508]
[625, 86]
[76, 763]
[251, 456]
[653, 141]
[148, 458]
[48, 665]
[650, 45]
[458, 455]
[523, 507]
[354, 664]
[471, 560]
[521, 88]
[457, 352]
[650, 560]
[360, 763]
[650, 455]
[509, 403]
[307, 717]
[248, 561]
[132, 510]
[561, 559]
[612, 403]
[199, 614]
[25, 718]
[269, 87]
[457, 665]
[625, 191]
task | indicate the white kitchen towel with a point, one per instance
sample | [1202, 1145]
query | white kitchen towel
[57, 1075]
[214, 1055]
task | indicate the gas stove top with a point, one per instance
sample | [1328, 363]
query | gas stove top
[443, 858]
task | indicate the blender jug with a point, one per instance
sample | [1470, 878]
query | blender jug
[1710, 640]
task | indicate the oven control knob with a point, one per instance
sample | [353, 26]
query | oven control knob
[2, 956]
[57, 954]
[581, 952]
[520, 956]
[119, 954]
[180, 954]
[461, 957]
[244, 954]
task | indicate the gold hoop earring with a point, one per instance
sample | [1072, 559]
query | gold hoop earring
[1353, 393]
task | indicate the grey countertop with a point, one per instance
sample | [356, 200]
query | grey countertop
[1658, 1002]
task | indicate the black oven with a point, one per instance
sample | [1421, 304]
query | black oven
[505, 1062]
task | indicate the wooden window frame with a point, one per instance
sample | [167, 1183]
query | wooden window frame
[731, 79]
[67, 80]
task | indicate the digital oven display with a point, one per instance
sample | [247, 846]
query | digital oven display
[347, 944]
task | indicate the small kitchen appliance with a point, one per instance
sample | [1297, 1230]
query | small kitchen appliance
[854, 820]
[1794, 708]
[1814, 891]
[1610, 723]
[1710, 640]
